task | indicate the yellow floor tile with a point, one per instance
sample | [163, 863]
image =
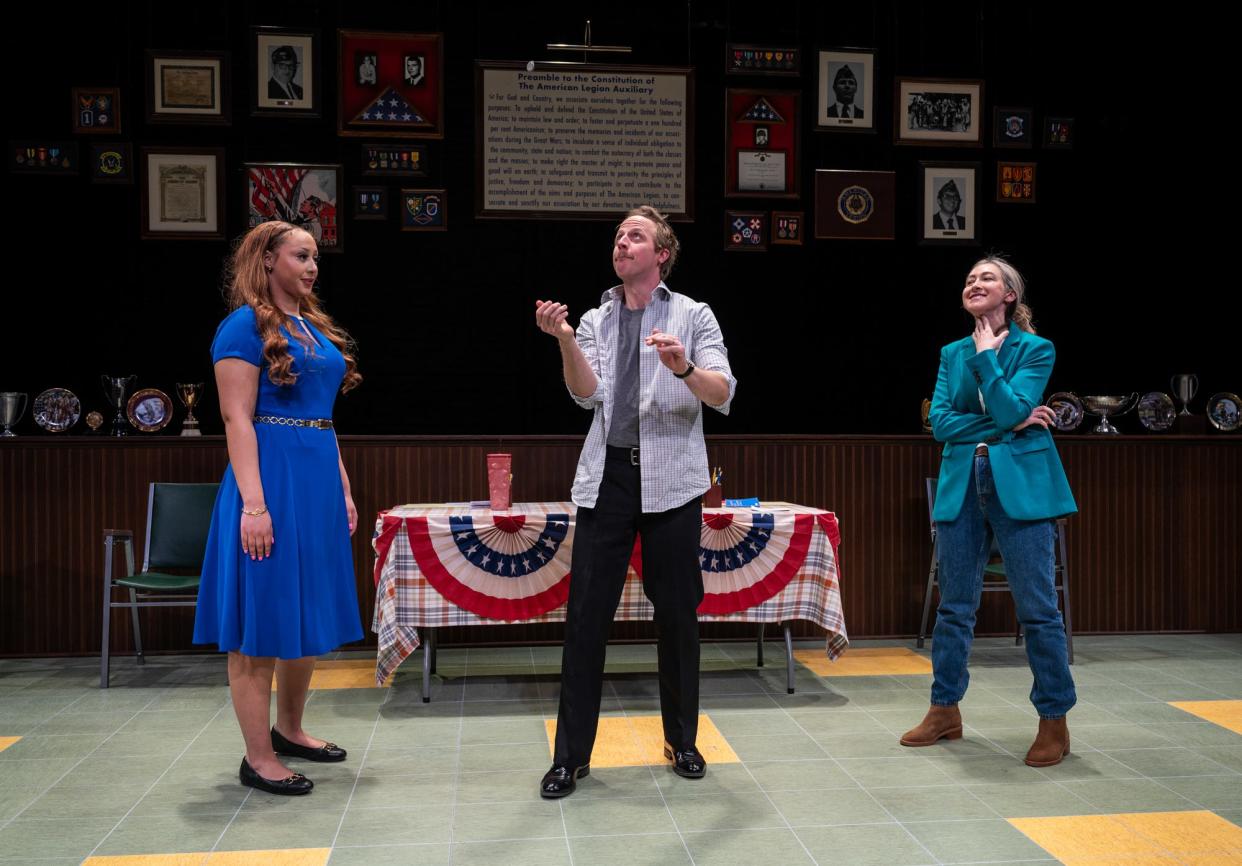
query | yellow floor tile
[344, 674]
[5, 742]
[878, 662]
[280, 857]
[1227, 714]
[638, 741]
[1135, 839]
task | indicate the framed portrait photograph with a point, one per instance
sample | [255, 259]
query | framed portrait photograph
[762, 139]
[394, 159]
[111, 162]
[424, 210]
[370, 202]
[96, 110]
[855, 205]
[948, 199]
[285, 78]
[1013, 127]
[762, 60]
[390, 85]
[1015, 182]
[182, 193]
[308, 196]
[746, 230]
[188, 87]
[788, 227]
[938, 111]
[1059, 133]
[846, 90]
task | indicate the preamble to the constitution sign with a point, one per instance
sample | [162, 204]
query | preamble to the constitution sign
[588, 141]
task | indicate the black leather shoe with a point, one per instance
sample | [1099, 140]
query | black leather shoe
[560, 781]
[686, 762]
[326, 754]
[292, 785]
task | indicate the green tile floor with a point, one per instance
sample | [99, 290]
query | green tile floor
[150, 765]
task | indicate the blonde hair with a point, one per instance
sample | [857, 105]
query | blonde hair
[1016, 311]
[665, 239]
[246, 284]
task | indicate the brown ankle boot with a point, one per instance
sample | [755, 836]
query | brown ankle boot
[1052, 743]
[940, 723]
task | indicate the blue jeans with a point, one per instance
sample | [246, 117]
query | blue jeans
[1027, 548]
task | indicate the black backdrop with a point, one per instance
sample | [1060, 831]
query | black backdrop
[831, 337]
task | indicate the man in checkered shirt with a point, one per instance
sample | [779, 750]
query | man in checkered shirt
[645, 360]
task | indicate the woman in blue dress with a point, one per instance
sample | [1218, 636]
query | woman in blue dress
[278, 579]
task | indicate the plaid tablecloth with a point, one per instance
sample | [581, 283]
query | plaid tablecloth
[453, 565]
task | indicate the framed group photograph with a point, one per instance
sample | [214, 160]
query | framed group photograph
[846, 90]
[424, 210]
[855, 205]
[308, 196]
[1015, 182]
[1013, 127]
[390, 85]
[762, 135]
[285, 79]
[96, 110]
[188, 87]
[182, 193]
[938, 111]
[948, 199]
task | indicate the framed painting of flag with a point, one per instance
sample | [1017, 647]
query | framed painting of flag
[309, 196]
[390, 84]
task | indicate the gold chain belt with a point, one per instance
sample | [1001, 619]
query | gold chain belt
[316, 423]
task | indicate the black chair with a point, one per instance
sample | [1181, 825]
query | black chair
[178, 520]
[994, 577]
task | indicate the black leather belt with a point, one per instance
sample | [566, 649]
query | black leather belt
[628, 454]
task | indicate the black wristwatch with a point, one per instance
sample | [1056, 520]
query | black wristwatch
[689, 370]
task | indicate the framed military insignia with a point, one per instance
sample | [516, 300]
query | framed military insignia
[948, 203]
[188, 87]
[111, 162]
[762, 60]
[1059, 133]
[846, 90]
[788, 227]
[43, 156]
[182, 193]
[284, 78]
[746, 230]
[762, 137]
[1015, 182]
[1013, 127]
[96, 110]
[393, 159]
[424, 210]
[855, 205]
[370, 203]
[390, 85]
[306, 195]
[938, 111]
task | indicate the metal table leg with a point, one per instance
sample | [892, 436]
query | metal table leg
[789, 657]
[429, 637]
[759, 648]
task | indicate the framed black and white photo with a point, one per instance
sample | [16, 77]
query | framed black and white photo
[285, 78]
[1013, 127]
[188, 87]
[846, 90]
[949, 203]
[938, 111]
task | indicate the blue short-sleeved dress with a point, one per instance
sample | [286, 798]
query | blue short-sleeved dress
[301, 600]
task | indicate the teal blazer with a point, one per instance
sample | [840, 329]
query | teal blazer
[1030, 480]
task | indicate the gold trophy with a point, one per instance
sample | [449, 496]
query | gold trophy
[189, 394]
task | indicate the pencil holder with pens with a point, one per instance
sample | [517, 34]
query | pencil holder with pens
[715, 494]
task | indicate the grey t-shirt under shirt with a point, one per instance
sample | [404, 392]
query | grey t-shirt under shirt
[623, 432]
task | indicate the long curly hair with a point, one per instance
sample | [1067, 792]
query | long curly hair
[246, 283]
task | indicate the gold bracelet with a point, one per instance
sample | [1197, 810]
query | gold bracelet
[262, 509]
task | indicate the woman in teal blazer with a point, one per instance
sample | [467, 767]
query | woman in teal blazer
[999, 475]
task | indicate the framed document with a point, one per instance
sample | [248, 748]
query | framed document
[182, 193]
[187, 87]
[761, 135]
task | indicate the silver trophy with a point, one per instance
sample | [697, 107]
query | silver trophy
[1109, 407]
[114, 388]
[12, 405]
[188, 394]
[1185, 385]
